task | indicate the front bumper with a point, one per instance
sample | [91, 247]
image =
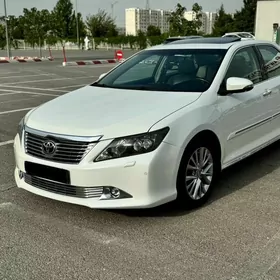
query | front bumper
[149, 179]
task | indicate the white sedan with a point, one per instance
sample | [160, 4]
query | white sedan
[145, 134]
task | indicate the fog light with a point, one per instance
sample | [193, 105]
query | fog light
[113, 193]
[20, 174]
[106, 193]
[116, 193]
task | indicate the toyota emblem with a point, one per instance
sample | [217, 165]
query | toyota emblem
[49, 148]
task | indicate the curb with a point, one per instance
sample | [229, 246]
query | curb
[19, 59]
[91, 62]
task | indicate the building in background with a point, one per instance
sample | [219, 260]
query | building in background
[139, 19]
[267, 14]
[208, 20]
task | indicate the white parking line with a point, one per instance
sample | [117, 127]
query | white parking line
[35, 88]
[48, 80]
[14, 111]
[6, 73]
[10, 92]
[6, 143]
[5, 204]
[8, 77]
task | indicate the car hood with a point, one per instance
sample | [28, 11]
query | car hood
[94, 111]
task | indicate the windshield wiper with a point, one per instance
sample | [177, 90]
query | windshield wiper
[98, 85]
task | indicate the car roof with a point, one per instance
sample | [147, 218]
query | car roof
[209, 43]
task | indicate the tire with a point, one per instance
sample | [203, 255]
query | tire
[189, 178]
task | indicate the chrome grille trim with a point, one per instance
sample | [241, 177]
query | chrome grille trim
[63, 189]
[69, 149]
[86, 139]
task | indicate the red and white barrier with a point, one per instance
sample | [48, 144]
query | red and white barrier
[90, 62]
[118, 59]
[15, 59]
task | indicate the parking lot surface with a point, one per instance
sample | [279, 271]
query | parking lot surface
[235, 236]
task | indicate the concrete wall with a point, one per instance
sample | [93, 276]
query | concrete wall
[268, 12]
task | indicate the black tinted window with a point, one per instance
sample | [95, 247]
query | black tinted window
[271, 57]
[189, 70]
[245, 64]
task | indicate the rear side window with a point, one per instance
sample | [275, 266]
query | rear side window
[271, 57]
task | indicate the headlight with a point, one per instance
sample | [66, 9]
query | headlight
[133, 145]
[21, 127]
[21, 124]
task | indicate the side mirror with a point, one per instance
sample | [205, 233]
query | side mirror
[237, 85]
[102, 75]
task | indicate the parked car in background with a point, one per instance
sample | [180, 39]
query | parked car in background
[146, 134]
[242, 35]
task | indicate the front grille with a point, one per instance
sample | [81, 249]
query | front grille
[67, 151]
[63, 189]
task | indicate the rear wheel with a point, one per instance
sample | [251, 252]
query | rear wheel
[198, 172]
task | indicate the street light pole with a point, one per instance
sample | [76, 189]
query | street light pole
[7, 31]
[112, 7]
[77, 24]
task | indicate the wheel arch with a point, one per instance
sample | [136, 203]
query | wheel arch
[204, 134]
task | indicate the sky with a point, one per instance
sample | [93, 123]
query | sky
[86, 7]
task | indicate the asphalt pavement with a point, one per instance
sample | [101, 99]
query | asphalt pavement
[236, 236]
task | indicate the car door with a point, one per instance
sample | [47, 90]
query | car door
[245, 117]
[271, 57]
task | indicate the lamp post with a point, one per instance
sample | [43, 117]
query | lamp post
[112, 7]
[7, 31]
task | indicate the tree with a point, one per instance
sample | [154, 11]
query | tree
[197, 19]
[244, 20]
[81, 26]
[2, 37]
[62, 16]
[179, 25]
[141, 39]
[101, 25]
[178, 22]
[223, 23]
[36, 25]
[15, 29]
[153, 31]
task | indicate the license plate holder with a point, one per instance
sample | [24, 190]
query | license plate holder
[48, 172]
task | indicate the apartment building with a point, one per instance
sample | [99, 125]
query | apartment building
[207, 18]
[139, 19]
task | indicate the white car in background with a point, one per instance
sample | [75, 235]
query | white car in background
[241, 35]
[146, 134]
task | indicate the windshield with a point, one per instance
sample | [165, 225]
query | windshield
[187, 70]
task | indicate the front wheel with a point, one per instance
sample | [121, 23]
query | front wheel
[197, 174]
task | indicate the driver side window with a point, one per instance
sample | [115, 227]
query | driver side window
[245, 64]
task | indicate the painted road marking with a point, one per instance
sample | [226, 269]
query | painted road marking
[48, 80]
[14, 111]
[6, 143]
[8, 77]
[10, 92]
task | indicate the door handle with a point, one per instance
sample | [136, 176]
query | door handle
[267, 92]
